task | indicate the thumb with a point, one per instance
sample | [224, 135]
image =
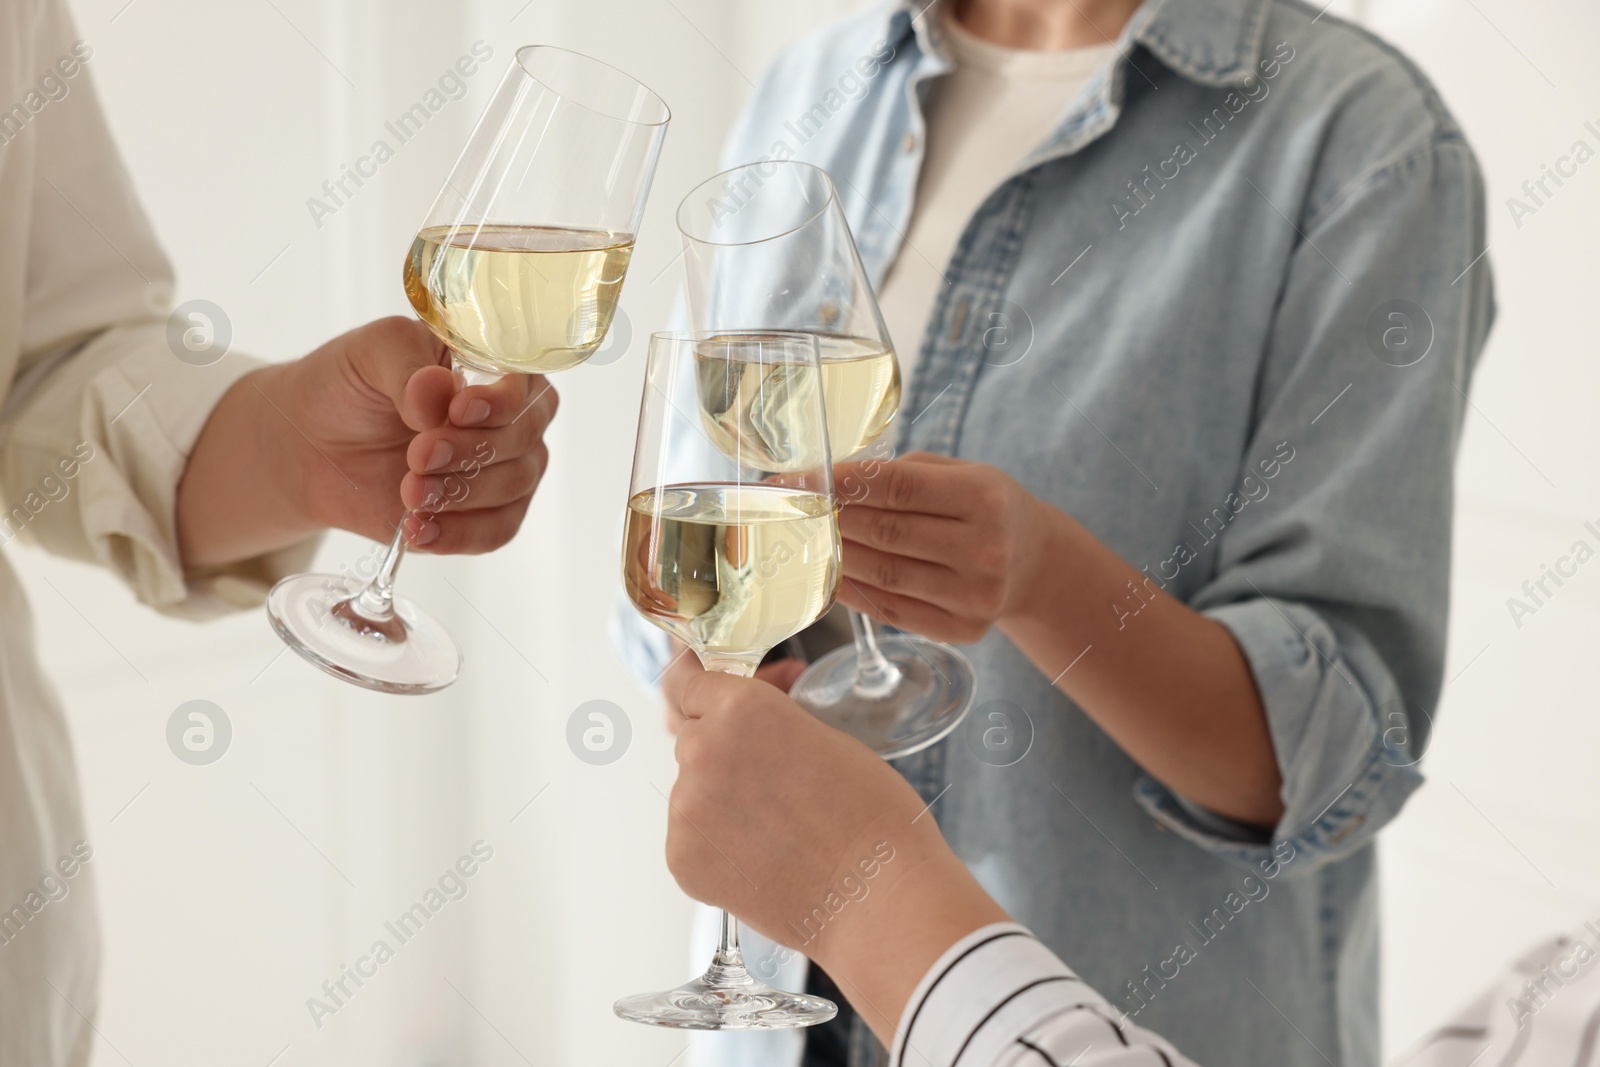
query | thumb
[404, 361]
[782, 674]
[699, 693]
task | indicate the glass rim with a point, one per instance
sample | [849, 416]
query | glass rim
[677, 337]
[522, 65]
[832, 198]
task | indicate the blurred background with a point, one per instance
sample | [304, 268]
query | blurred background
[231, 892]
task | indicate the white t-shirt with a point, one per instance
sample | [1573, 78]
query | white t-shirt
[983, 118]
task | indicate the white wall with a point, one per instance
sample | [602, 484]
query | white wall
[231, 892]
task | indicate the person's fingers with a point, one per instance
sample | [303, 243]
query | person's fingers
[510, 400]
[425, 402]
[402, 360]
[781, 674]
[475, 489]
[701, 869]
[711, 692]
[466, 532]
[694, 699]
[926, 537]
[448, 448]
[681, 738]
[684, 665]
[672, 719]
[914, 578]
[932, 489]
[931, 457]
[909, 614]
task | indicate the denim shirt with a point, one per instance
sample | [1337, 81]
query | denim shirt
[1226, 317]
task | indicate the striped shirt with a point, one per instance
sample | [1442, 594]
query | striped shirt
[1544, 1011]
[999, 998]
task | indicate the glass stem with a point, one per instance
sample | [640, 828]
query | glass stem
[728, 957]
[875, 675]
[728, 964]
[466, 375]
[374, 605]
[376, 599]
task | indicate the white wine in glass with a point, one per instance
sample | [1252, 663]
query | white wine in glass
[767, 247]
[727, 569]
[731, 556]
[861, 381]
[517, 267]
[518, 299]
[861, 387]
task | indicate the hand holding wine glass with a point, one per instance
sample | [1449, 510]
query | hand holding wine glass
[342, 427]
[941, 546]
[467, 460]
[731, 550]
[517, 269]
[849, 871]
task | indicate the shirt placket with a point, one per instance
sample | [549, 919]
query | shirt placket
[953, 354]
[951, 357]
[972, 301]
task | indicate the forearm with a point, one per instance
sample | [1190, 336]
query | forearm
[1166, 683]
[241, 493]
[879, 950]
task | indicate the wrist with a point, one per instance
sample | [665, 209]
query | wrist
[879, 953]
[241, 492]
[275, 393]
[1047, 553]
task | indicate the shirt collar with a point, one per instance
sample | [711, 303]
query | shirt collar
[1212, 42]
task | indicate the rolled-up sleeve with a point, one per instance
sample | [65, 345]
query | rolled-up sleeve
[1333, 564]
[101, 414]
[99, 449]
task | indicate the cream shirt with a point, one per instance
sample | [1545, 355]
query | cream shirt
[983, 118]
[97, 417]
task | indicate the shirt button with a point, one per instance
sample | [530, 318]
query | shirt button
[1347, 829]
[909, 142]
[959, 321]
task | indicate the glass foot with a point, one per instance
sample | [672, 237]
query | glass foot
[932, 695]
[409, 652]
[726, 998]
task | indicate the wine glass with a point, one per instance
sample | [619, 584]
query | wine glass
[517, 267]
[767, 247]
[732, 546]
